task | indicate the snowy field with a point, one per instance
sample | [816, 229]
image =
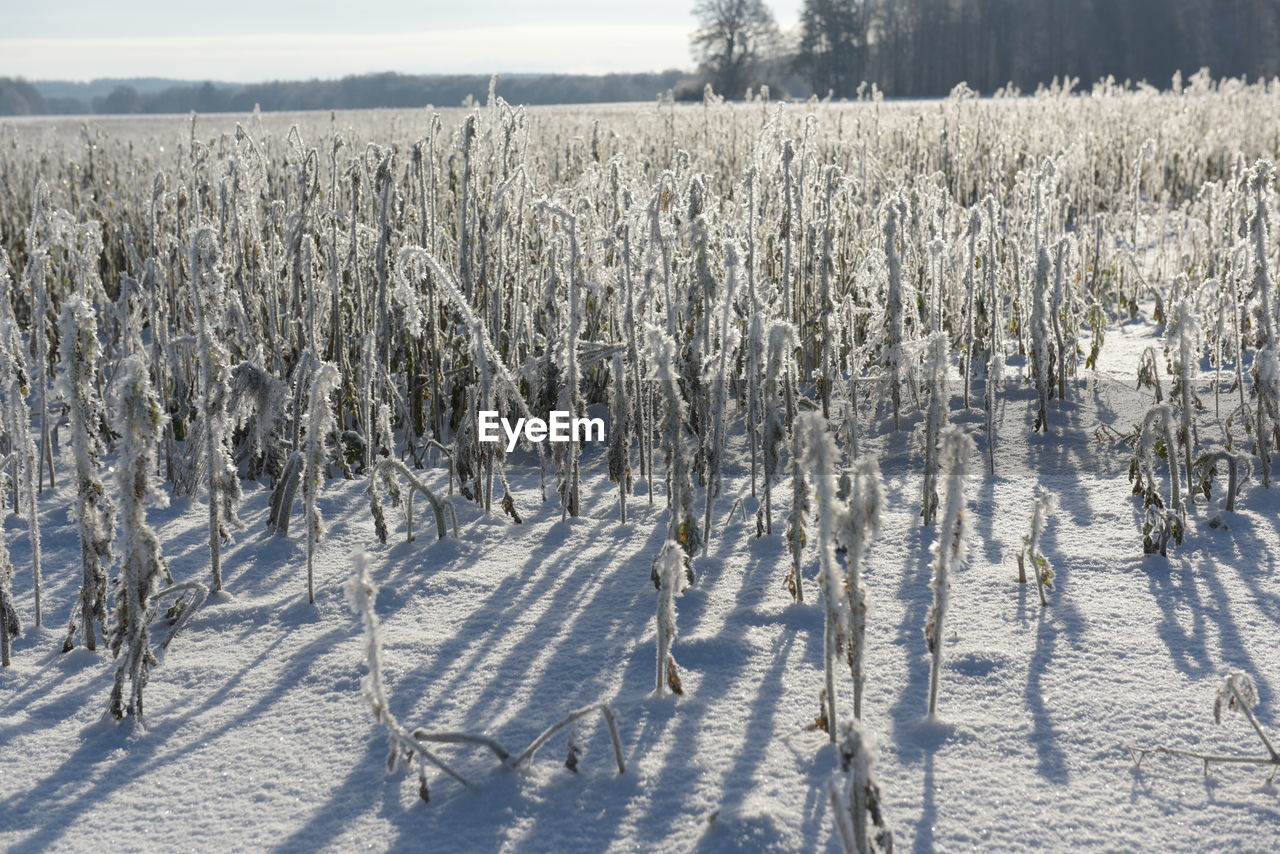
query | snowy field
[985, 302]
[258, 738]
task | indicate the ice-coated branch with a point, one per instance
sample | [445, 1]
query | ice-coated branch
[660, 352]
[797, 537]
[407, 749]
[463, 738]
[403, 749]
[1236, 693]
[935, 421]
[208, 299]
[775, 387]
[15, 419]
[720, 391]
[610, 719]
[384, 471]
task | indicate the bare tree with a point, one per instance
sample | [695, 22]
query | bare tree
[732, 38]
[832, 50]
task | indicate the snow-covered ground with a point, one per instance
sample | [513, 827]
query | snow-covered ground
[258, 736]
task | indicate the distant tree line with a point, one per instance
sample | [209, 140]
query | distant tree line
[18, 97]
[926, 47]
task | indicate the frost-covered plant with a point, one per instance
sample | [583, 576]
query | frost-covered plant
[9, 626]
[1238, 471]
[497, 387]
[16, 421]
[970, 300]
[570, 487]
[1259, 238]
[859, 525]
[45, 230]
[797, 536]
[257, 408]
[1062, 315]
[1163, 522]
[661, 353]
[208, 298]
[94, 512]
[950, 549]
[1184, 337]
[139, 421]
[620, 438]
[934, 422]
[1031, 554]
[385, 472]
[775, 387]
[320, 425]
[1149, 372]
[720, 391]
[1235, 694]
[821, 457]
[1041, 350]
[669, 568]
[1266, 386]
[895, 310]
[859, 812]
[995, 363]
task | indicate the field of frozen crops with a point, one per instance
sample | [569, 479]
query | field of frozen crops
[933, 502]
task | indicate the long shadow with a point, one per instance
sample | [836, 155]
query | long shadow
[1059, 615]
[1173, 587]
[63, 705]
[677, 774]
[367, 783]
[1058, 457]
[1063, 607]
[144, 753]
[481, 632]
[984, 529]
[575, 612]
[1175, 584]
[52, 817]
[1255, 557]
[923, 842]
[291, 675]
[916, 594]
[1234, 649]
[1051, 760]
[66, 705]
[565, 601]
[573, 594]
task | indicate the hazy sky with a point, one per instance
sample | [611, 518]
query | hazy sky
[243, 40]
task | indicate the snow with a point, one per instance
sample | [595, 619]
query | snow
[258, 737]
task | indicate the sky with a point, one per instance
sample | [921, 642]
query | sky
[245, 41]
